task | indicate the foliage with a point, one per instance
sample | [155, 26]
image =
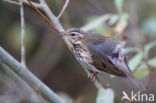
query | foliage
[141, 60]
[105, 96]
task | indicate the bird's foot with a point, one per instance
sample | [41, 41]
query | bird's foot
[92, 76]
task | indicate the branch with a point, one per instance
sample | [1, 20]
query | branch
[19, 82]
[12, 2]
[59, 27]
[63, 9]
[22, 33]
[38, 5]
[27, 76]
[42, 15]
[54, 20]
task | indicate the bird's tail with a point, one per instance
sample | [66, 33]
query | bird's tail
[136, 82]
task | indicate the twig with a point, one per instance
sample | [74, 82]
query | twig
[59, 27]
[27, 76]
[12, 2]
[44, 17]
[19, 82]
[55, 21]
[51, 15]
[23, 53]
[63, 9]
[38, 5]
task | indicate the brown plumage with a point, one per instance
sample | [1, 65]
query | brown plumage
[100, 54]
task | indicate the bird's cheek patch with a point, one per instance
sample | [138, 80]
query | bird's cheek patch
[80, 36]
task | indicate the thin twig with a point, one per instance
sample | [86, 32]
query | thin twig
[25, 74]
[23, 53]
[63, 9]
[58, 26]
[12, 2]
[31, 79]
[51, 15]
[44, 17]
[38, 5]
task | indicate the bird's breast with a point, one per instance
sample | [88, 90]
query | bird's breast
[82, 54]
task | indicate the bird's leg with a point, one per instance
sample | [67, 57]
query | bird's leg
[92, 76]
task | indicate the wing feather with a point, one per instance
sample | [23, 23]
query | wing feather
[100, 53]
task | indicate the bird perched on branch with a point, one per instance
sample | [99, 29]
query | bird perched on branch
[100, 54]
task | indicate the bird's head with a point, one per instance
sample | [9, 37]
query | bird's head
[74, 35]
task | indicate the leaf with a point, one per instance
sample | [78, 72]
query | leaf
[65, 97]
[152, 62]
[105, 96]
[130, 49]
[98, 28]
[140, 74]
[112, 76]
[124, 16]
[118, 4]
[113, 19]
[148, 46]
[142, 71]
[135, 61]
[149, 25]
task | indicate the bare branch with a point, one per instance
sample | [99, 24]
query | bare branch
[31, 79]
[51, 15]
[20, 82]
[38, 5]
[12, 2]
[44, 17]
[22, 34]
[58, 25]
[63, 9]
[24, 1]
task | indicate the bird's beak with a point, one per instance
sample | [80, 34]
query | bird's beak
[62, 34]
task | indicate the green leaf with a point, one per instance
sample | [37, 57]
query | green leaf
[135, 61]
[124, 16]
[149, 26]
[105, 96]
[99, 28]
[142, 71]
[112, 76]
[140, 74]
[118, 4]
[148, 47]
[130, 49]
[152, 62]
[65, 97]
[142, 66]
[113, 19]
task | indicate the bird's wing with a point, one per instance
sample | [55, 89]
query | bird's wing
[104, 54]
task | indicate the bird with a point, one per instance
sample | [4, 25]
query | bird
[100, 54]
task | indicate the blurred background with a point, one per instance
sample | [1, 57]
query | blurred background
[48, 58]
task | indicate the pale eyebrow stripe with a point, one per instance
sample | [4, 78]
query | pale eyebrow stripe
[75, 32]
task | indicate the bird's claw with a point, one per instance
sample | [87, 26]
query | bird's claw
[92, 76]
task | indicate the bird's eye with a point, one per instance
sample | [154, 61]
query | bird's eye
[73, 34]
